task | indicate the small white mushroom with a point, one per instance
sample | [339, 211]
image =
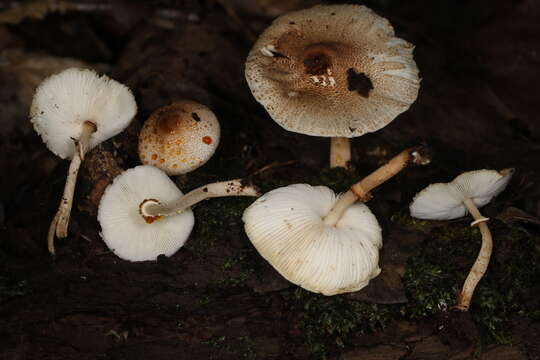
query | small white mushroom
[143, 214]
[73, 111]
[179, 138]
[129, 235]
[351, 74]
[465, 194]
[286, 226]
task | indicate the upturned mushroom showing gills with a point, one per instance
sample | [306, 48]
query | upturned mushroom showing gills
[143, 214]
[317, 240]
[465, 194]
[179, 138]
[336, 71]
[74, 111]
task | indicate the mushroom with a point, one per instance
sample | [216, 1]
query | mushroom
[317, 240]
[335, 71]
[179, 138]
[286, 226]
[74, 111]
[465, 194]
[143, 214]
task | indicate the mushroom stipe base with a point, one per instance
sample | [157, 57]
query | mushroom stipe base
[60, 222]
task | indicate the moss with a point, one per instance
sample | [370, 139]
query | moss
[10, 288]
[240, 267]
[243, 347]
[406, 221]
[216, 220]
[435, 276]
[329, 323]
[337, 179]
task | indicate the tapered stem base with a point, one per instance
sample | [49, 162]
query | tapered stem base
[60, 222]
[480, 266]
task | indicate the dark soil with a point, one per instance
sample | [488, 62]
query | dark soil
[217, 298]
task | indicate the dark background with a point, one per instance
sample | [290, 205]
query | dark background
[478, 107]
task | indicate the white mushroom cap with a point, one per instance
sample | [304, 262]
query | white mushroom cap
[123, 228]
[444, 201]
[179, 138]
[286, 226]
[334, 70]
[65, 101]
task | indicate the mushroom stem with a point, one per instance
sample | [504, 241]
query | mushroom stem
[59, 224]
[361, 190]
[340, 152]
[482, 261]
[151, 209]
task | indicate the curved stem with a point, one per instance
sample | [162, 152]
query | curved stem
[340, 152]
[151, 209]
[482, 261]
[361, 190]
[59, 224]
[345, 200]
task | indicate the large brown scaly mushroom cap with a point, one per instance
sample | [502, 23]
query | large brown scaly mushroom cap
[332, 71]
[179, 138]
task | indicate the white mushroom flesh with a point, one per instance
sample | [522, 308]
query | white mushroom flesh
[286, 226]
[123, 228]
[444, 201]
[65, 101]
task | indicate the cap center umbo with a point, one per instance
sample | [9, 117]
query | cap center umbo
[316, 64]
[359, 82]
[168, 123]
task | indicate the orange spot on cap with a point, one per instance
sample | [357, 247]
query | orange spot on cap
[151, 219]
[207, 140]
[161, 161]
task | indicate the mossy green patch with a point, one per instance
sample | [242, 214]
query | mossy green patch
[216, 220]
[406, 221]
[243, 347]
[329, 322]
[338, 179]
[436, 274]
[10, 288]
[240, 267]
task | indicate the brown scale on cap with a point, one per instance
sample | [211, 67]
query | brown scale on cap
[329, 69]
[358, 82]
[179, 138]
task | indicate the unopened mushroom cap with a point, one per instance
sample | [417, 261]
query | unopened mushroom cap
[444, 201]
[123, 228]
[179, 138]
[334, 70]
[65, 101]
[286, 226]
